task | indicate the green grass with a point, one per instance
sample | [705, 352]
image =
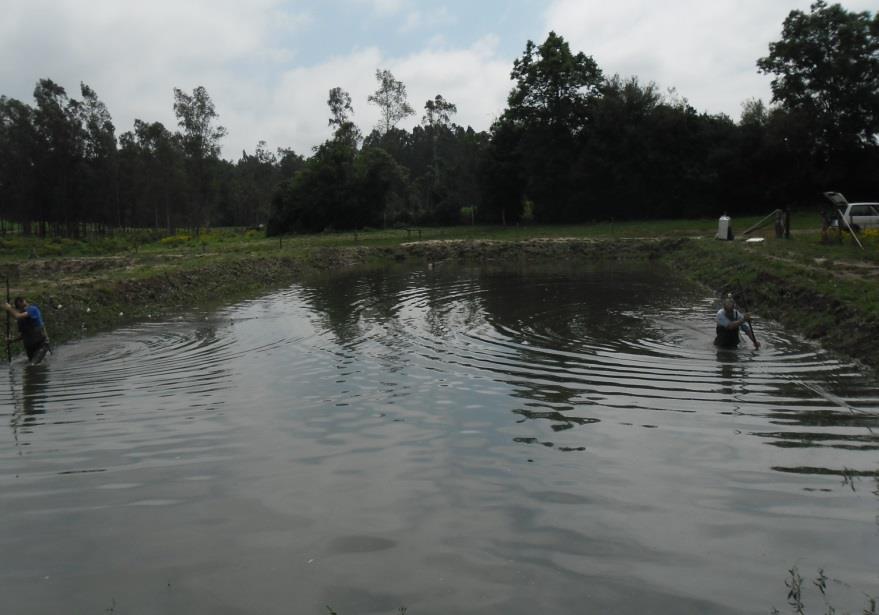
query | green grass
[228, 240]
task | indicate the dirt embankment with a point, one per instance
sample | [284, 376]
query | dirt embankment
[82, 296]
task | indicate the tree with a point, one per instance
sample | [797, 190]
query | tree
[553, 85]
[319, 196]
[380, 186]
[437, 119]
[438, 112]
[827, 65]
[339, 103]
[57, 124]
[195, 115]
[152, 175]
[548, 108]
[390, 98]
[201, 142]
[100, 173]
[19, 150]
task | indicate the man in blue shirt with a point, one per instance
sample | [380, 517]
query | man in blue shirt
[31, 328]
[729, 322]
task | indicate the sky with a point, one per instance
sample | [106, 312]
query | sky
[268, 65]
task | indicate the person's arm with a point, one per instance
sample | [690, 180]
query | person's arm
[746, 327]
[732, 325]
[15, 313]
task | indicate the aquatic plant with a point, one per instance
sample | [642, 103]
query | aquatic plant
[796, 591]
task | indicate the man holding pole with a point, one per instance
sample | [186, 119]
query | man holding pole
[31, 328]
[729, 322]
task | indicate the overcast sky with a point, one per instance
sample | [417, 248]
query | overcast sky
[269, 64]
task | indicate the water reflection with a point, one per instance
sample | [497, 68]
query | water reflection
[500, 439]
[29, 403]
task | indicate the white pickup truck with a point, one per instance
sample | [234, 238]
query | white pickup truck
[858, 215]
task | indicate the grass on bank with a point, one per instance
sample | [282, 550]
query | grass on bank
[839, 268]
[146, 253]
[148, 242]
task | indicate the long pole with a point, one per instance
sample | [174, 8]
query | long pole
[8, 330]
[746, 305]
[759, 224]
[851, 230]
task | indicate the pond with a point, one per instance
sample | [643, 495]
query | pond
[448, 438]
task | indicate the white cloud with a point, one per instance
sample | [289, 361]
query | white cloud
[706, 50]
[476, 80]
[134, 54]
[292, 111]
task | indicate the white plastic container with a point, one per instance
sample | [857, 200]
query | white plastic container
[723, 224]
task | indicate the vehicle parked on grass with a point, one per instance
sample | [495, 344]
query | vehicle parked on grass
[858, 215]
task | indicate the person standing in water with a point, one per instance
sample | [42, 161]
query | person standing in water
[729, 322]
[31, 329]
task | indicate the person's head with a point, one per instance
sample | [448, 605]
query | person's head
[729, 304]
[20, 303]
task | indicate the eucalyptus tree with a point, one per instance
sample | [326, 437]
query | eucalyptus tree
[438, 112]
[253, 181]
[390, 98]
[154, 175]
[341, 110]
[59, 133]
[19, 151]
[437, 119]
[196, 115]
[339, 102]
[100, 169]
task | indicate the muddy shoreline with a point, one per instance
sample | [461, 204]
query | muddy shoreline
[112, 292]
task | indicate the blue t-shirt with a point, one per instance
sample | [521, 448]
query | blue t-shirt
[35, 316]
[32, 329]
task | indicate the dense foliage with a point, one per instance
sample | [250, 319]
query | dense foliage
[572, 145]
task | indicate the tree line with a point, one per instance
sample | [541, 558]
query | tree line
[64, 171]
[571, 145]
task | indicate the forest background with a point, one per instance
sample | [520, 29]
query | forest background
[573, 145]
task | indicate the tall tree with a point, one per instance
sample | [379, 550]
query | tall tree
[339, 103]
[827, 65]
[196, 115]
[56, 119]
[553, 85]
[201, 141]
[438, 112]
[99, 153]
[341, 111]
[437, 119]
[19, 151]
[163, 180]
[390, 98]
[549, 108]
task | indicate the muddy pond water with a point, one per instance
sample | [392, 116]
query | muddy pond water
[494, 439]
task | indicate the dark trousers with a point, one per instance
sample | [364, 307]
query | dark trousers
[37, 352]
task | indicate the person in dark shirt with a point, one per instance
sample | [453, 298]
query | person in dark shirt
[729, 322]
[31, 329]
